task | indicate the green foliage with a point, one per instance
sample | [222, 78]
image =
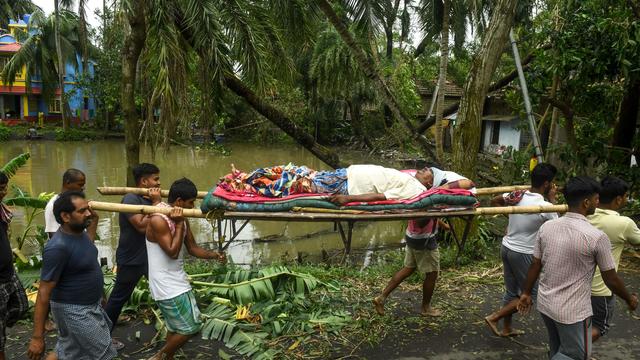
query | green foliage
[282, 301]
[5, 132]
[14, 164]
[33, 209]
[73, 134]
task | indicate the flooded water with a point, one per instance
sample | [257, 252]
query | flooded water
[259, 242]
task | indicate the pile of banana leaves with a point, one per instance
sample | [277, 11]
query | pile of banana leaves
[251, 311]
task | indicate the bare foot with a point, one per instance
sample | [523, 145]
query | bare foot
[378, 304]
[512, 332]
[493, 325]
[431, 312]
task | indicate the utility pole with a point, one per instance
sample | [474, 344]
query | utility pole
[525, 95]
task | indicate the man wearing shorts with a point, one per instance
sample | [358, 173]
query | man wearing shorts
[517, 245]
[620, 230]
[168, 281]
[421, 251]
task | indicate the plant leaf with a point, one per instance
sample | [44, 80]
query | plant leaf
[14, 164]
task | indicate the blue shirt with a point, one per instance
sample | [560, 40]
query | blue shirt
[72, 262]
[132, 248]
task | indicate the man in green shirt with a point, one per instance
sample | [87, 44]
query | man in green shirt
[620, 230]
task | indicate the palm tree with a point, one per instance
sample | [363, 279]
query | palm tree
[371, 72]
[38, 51]
[336, 77]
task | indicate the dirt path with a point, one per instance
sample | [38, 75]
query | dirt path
[460, 334]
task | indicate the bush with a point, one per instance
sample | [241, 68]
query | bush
[76, 135]
[5, 133]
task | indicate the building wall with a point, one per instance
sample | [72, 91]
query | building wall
[509, 133]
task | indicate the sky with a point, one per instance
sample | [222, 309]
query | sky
[91, 6]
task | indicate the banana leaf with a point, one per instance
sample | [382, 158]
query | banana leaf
[24, 201]
[14, 164]
[244, 287]
[221, 325]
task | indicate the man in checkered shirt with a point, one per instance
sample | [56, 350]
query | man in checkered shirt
[565, 255]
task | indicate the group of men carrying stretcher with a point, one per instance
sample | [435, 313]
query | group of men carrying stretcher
[562, 253]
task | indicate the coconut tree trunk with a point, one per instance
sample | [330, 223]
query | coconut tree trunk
[274, 115]
[371, 73]
[133, 44]
[442, 78]
[61, 67]
[466, 140]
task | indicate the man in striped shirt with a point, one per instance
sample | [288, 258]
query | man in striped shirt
[565, 255]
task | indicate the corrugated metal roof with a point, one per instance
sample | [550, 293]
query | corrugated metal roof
[10, 47]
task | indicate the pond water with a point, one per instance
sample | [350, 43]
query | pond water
[259, 242]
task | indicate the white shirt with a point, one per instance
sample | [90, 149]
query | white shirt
[50, 223]
[442, 177]
[523, 228]
[167, 278]
[394, 184]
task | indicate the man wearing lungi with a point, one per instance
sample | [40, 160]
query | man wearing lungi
[71, 284]
[168, 281]
[13, 300]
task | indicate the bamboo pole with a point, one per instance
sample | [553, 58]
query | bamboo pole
[322, 216]
[121, 190]
[114, 190]
[141, 209]
[504, 210]
[500, 189]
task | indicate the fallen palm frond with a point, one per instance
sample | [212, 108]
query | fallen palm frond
[14, 164]
[244, 286]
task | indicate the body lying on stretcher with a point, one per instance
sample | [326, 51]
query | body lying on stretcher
[357, 185]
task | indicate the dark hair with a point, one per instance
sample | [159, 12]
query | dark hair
[612, 187]
[184, 189]
[4, 179]
[144, 170]
[72, 175]
[64, 203]
[541, 173]
[579, 188]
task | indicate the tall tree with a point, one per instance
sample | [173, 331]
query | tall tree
[468, 123]
[133, 44]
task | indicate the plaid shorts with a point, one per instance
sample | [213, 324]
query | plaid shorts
[181, 314]
[13, 305]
